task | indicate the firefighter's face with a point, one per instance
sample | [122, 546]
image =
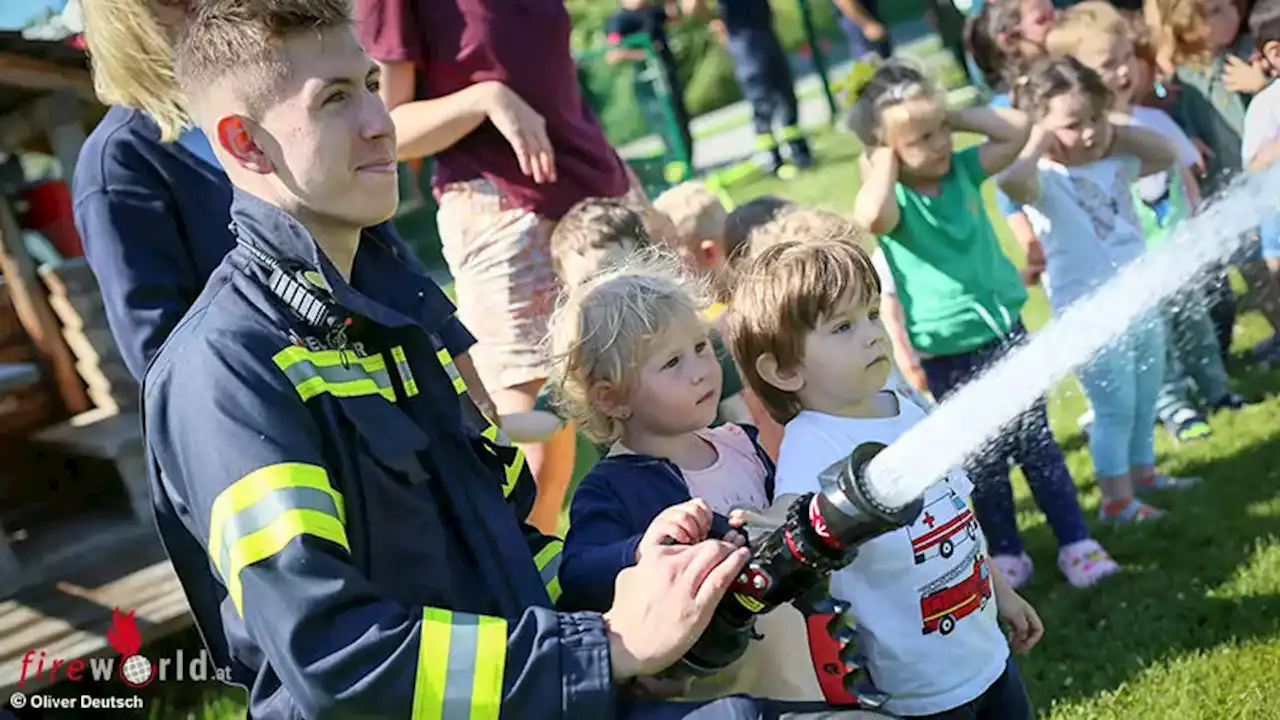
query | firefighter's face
[678, 389]
[329, 138]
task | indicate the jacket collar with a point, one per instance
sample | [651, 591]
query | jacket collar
[385, 287]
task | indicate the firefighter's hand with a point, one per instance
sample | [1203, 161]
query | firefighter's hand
[686, 523]
[663, 603]
[1025, 628]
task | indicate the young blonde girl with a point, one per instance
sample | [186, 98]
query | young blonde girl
[1075, 178]
[634, 368]
[959, 296]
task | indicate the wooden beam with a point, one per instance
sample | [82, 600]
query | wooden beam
[33, 74]
[33, 310]
[66, 132]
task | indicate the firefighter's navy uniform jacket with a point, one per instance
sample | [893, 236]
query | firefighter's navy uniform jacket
[341, 525]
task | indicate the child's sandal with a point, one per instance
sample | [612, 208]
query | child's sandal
[1016, 569]
[1166, 482]
[1085, 563]
[1133, 511]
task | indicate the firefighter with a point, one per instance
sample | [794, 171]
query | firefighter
[764, 75]
[151, 200]
[332, 502]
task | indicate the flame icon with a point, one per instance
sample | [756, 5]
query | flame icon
[135, 670]
[123, 633]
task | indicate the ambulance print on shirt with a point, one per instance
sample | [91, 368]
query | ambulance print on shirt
[946, 530]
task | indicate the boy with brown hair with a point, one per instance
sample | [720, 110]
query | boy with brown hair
[806, 312]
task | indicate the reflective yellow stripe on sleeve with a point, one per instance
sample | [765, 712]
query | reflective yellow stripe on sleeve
[259, 514]
[511, 467]
[461, 659]
[548, 562]
[495, 435]
[406, 373]
[446, 362]
[339, 373]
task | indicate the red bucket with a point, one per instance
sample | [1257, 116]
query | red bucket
[49, 213]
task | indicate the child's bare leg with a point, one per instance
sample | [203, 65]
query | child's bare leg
[553, 479]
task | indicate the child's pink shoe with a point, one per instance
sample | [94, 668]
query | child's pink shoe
[1085, 563]
[1017, 569]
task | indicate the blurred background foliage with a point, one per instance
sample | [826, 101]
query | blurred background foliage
[705, 67]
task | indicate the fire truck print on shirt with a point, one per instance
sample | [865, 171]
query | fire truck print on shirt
[946, 530]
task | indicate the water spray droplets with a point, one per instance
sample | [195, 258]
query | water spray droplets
[972, 416]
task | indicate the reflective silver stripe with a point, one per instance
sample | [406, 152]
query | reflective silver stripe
[303, 370]
[446, 362]
[551, 571]
[266, 510]
[464, 638]
[405, 372]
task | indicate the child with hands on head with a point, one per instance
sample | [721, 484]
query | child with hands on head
[1102, 39]
[635, 370]
[961, 297]
[805, 313]
[1074, 177]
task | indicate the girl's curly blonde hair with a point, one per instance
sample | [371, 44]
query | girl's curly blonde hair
[606, 329]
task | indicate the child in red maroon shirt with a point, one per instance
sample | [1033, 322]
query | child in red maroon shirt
[490, 89]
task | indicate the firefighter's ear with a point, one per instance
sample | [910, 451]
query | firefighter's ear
[611, 401]
[236, 138]
[786, 380]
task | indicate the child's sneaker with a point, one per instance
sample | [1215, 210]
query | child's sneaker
[1187, 426]
[1084, 563]
[1130, 510]
[1017, 569]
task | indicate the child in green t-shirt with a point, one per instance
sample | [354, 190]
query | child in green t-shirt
[961, 296]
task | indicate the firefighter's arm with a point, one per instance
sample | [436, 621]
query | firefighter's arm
[246, 463]
[546, 550]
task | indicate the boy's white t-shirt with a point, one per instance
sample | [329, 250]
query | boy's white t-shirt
[921, 596]
[1086, 221]
[1153, 187]
[1261, 122]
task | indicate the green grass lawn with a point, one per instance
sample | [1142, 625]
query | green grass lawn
[1191, 629]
